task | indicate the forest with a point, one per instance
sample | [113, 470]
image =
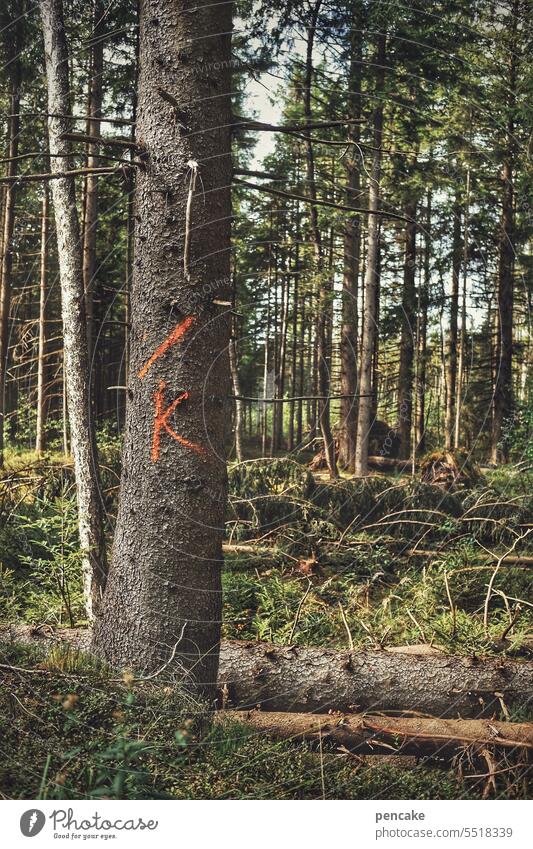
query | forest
[266, 399]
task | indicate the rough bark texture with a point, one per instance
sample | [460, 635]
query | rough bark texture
[309, 678]
[73, 311]
[366, 734]
[371, 276]
[324, 284]
[163, 599]
[41, 355]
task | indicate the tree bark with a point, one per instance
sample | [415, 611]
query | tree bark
[234, 367]
[451, 352]
[371, 275]
[407, 341]
[462, 339]
[163, 599]
[41, 355]
[422, 337]
[90, 218]
[76, 358]
[367, 734]
[301, 678]
[324, 285]
[7, 241]
[352, 249]
[316, 679]
[503, 389]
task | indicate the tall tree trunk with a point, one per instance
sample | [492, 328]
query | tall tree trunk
[234, 368]
[41, 355]
[503, 389]
[451, 346]
[364, 415]
[407, 347]
[422, 337]
[352, 249]
[90, 217]
[163, 600]
[324, 290]
[462, 339]
[7, 241]
[90, 520]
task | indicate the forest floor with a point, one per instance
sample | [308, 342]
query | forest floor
[379, 563]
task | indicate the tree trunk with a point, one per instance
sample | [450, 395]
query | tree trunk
[324, 290]
[451, 352]
[41, 355]
[163, 599]
[503, 388]
[90, 217]
[352, 249]
[302, 678]
[407, 347]
[422, 337]
[462, 340]
[7, 242]
[234, 368]
[389, 735]
[76, 358]
[317, 679]
[364, 415]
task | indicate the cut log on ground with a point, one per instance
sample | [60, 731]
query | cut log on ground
[315, 679]
[366, 734]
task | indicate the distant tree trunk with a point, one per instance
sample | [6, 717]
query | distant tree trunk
[234, 368]
[451, 347]
[73, 311]
[163, 599]
[371, 274]
[352, 249]
[7, 240]
[503, 388]
[41, 355]
[266, 371]
[405, 377]
[324, 291]
[90, 218]
[422, 337]
[462, 340]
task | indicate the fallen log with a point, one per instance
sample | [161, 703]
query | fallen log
[317, 679]
[366, 734]
[308, 678]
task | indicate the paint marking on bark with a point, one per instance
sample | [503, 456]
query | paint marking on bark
[161, 417]
[172, 339]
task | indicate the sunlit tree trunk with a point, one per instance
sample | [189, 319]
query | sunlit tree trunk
[76, 363]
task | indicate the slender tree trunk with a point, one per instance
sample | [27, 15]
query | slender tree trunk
[7, 242]
[462, 340]
[422, 337]
[234, 368]
[352, 249]
[451, 352]
[90, 217]
[82, 434]
[324, 290]
[407, 347]
[266, 371]
[371, 274]
[170, 524]
[503, 388]
[41, 355]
